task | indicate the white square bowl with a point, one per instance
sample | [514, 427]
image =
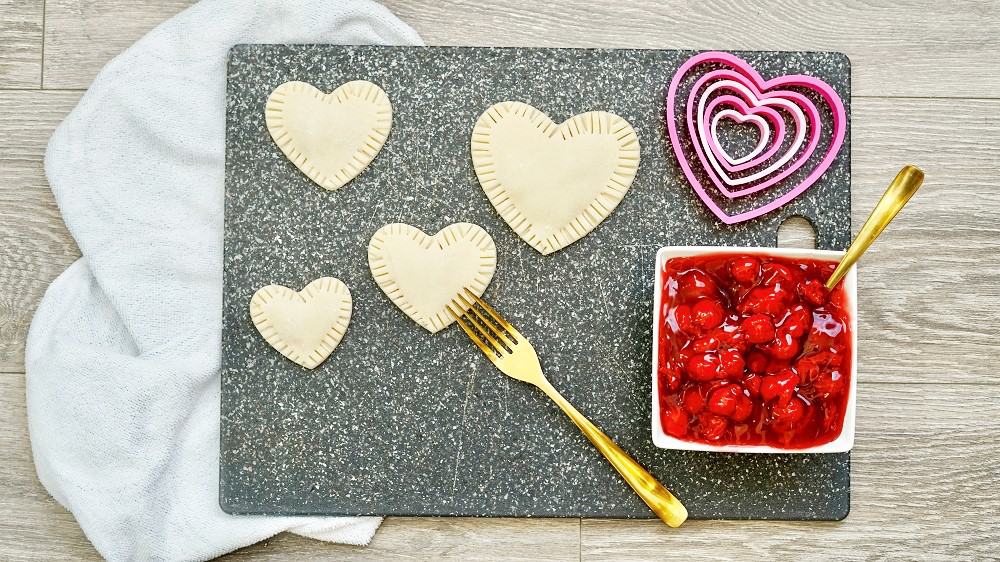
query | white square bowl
[845, 440]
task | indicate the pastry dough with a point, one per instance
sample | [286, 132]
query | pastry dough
[330, 137]
[423, 274]
[553, 184]
[304, 326]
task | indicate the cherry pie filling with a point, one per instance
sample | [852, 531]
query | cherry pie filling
[753, 350]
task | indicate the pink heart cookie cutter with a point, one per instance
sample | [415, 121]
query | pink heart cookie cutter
[764, 117]
[742, 73]
[793, 102]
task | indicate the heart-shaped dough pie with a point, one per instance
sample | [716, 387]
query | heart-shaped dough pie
[424, 274]
[304, 326]
[330, 137]
[553, 184]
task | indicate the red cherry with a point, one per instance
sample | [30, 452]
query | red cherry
[705, 343]
[744, 269]
[775, 273]
[765, 300]
[694, 284]
[744, 407]
[751, 381]
[798, 321]
[723, 400]
[682, 356]
[829, 359]
[683, 319]
[784, 347]
[838, 298]
[703, 367]
[674, 421]
[807, 368]
[757, 361]
[780, 385]
[813, 292]
[708, 313]
[790, 412]
[732, 363]
[670, 376]
[730, 337]
[758, 328]
[833, 418]
[712, 426]
[693, 400]
[829, 383]
[738, 340]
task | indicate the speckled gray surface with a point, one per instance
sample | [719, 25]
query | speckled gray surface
[401, 422]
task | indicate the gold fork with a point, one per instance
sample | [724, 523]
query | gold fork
[513, 355]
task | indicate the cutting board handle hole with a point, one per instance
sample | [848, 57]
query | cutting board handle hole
[796, 232]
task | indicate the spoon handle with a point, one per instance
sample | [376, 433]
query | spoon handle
[906, 183]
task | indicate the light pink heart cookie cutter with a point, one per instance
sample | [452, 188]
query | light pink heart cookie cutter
[745, 113]
[763, 132]
[826, 92]
[793, 102]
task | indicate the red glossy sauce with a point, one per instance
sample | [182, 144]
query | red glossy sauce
[753, 350]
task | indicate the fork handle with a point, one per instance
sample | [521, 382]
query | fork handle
[668, 508]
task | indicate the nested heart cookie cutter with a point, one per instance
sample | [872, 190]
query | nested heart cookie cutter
[764, 118]
[757, 171]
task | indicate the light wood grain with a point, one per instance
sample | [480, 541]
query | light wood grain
[924, 477]
[925, 285]
[906, 48]
[36, 247]
[903, 48]
[21, 43]
[439, 539]
[81, 36]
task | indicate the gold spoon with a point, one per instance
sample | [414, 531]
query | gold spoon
[906, 183]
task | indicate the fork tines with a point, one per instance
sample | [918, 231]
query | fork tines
[490, 332]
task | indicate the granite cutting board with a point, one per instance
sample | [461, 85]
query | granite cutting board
[401, 422]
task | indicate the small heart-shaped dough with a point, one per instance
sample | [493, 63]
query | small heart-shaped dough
[330, 137]
[304, 326]
[423, 274]
[553, 184]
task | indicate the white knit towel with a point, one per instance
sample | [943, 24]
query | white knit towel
[123, 353]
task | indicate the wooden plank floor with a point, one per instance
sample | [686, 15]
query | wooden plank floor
[926, 470]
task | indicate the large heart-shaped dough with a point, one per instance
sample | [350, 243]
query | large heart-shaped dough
[330, 137]
[305, 326]
[424, 274]
[553, 184]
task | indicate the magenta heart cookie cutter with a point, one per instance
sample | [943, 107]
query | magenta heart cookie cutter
[739, 77]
